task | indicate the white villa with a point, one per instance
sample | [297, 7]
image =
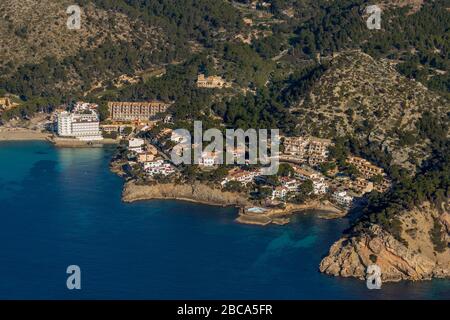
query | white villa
[242, 176]
[279, 193]
[320, 187]
[158, 167]
[291, 184]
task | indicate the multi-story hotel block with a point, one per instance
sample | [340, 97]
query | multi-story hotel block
[83, 126]
[343, 198]
[383, 186]
[318, 150]
[307, 149]
[295, 146]
[367, 169]
[136, 111]
[362, 186]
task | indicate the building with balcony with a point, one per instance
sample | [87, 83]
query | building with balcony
[367, 169]
[82, 126]
[310, 150]
[279, 193]
[136, 111]
[343, 198]
[136, 145]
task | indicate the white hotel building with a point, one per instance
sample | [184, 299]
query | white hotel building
[83, 126]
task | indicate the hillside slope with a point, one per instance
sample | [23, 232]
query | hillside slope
[34, 29]
[368, 99]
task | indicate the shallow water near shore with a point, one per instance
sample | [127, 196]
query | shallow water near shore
[61, 207]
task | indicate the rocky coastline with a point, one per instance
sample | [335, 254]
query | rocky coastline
[281, 216]
[75, 143]
[196, 192]
[415, 258]
[205, 194]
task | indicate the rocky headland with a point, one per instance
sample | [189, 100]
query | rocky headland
[415, 258]
[196, 192]
[206, 194]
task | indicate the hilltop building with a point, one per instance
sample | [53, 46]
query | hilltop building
[211, 82]
[383, 186]
[5, 103]
[295, 146]
[318, 150]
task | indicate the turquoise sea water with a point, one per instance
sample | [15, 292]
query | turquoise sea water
[60, 207]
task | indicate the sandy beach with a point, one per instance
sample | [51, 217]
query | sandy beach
[21, 134]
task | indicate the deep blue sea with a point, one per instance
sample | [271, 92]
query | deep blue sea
[61, 207]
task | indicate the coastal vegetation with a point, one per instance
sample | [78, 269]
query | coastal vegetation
[318, 71]
[432, 184]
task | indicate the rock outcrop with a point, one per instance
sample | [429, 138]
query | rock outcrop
[416, 259]
[370, 100]
[196, 192]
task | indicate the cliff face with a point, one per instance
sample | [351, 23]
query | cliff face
[196, 192]
[418, 260]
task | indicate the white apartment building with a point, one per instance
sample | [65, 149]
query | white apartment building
[279, 193]
[136, 145]
[291, 184]
[320, 187]
[83, 126]
[158, 167]
[64, 124]
[343, 198]
[242, 176]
